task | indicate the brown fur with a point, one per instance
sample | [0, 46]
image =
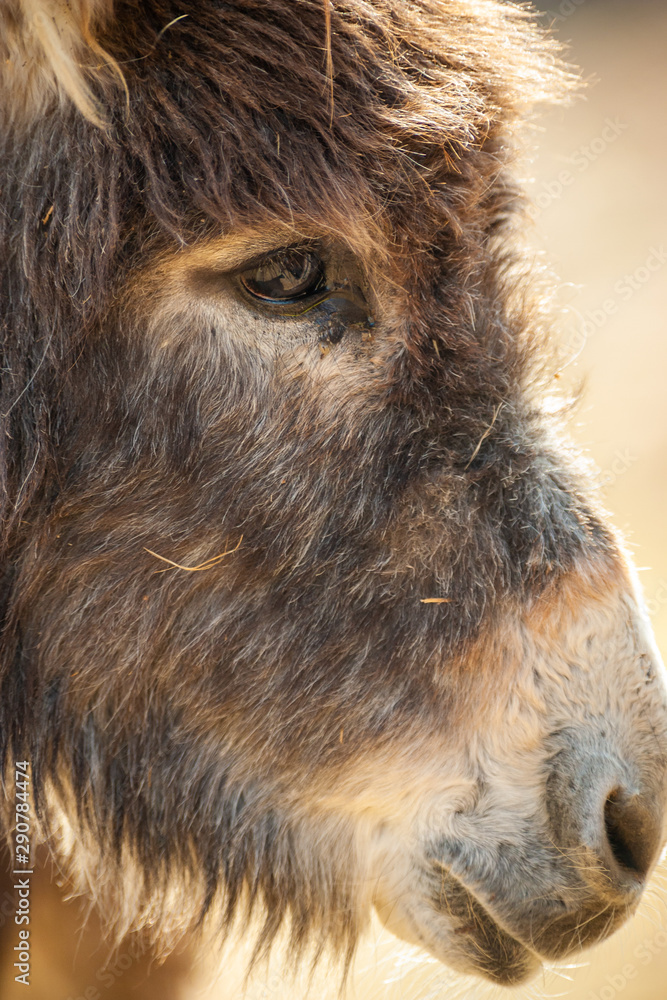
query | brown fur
[184, 721]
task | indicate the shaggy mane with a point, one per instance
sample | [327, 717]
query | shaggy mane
[48, 48]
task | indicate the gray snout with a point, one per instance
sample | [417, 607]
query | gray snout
[607, 811]
[568, 875]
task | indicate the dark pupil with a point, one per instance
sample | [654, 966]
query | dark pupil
[288, 275]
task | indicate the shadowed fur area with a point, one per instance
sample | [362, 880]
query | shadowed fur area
[219, 527]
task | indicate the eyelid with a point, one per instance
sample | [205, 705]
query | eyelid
[285, 279]
[207, 278]
[262, 258]
[351, 294]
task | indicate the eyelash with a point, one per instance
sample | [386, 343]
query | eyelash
[299, 269]
[310, 288]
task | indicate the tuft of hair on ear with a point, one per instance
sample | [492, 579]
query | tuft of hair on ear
[48, 50]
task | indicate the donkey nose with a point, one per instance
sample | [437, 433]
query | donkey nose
[606, 812]
[631, 833]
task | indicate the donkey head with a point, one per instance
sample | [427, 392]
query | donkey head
[306, 603]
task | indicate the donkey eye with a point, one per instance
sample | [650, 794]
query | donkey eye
[287, 276]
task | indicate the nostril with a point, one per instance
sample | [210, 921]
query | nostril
[618, 836]
[631, 832]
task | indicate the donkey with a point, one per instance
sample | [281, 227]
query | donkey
[308, 606]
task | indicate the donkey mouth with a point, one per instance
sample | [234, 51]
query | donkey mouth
[453, 925]
[476, 941]
[497, 956]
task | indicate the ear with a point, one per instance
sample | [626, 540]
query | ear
[48, 50]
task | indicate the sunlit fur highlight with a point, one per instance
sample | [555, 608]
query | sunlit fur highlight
[48, 51]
